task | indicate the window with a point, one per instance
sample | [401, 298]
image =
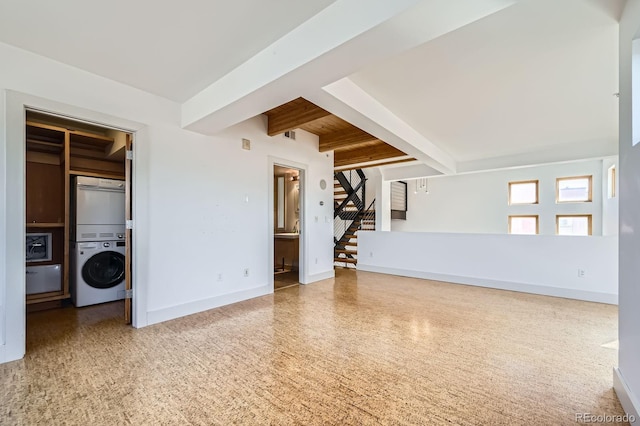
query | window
[524, 192]
[611, 182]
[573, 224]
[573, 189]
[399, 200]
[523, 225]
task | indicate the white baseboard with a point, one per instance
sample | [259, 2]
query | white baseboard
[627, 398]
[319, 277]
[173, 312]
[589, 296]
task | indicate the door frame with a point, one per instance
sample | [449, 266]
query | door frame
[302, 254]
[13, 331]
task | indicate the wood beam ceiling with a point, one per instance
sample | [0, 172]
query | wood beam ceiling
[293, 115]
[378, 151]
[345, 138]
[350, 144]
[385, 162]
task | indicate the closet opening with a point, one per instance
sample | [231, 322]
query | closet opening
[77, 242]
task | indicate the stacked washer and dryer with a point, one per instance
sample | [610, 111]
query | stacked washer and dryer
[98, 244]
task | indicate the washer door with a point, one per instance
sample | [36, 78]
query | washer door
[104, 269]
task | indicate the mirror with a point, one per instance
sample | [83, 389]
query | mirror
[280, 202]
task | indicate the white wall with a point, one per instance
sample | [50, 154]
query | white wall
[610, 205]
[203, 226]
[478, 202]
[373, 175]
[627, 377]
[192, 217]
[511, 262]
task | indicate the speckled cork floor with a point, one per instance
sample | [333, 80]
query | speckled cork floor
[363, 349]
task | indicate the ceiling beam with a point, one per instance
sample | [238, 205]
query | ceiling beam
[350, 102]
[377, 151]
[369, 164]
[293, 115]
[327, 47]
[351, 137]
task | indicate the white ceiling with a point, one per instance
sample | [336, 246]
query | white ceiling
[462, 82]
[533, 76]
[173, 49]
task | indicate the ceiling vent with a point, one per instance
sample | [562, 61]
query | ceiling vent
[290, 135]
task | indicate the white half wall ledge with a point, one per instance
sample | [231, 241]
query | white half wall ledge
[629, 402]
[540, 264]
[588, 296]
[174, 312]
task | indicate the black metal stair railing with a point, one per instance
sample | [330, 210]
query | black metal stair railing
[346, 210]
[351, 212]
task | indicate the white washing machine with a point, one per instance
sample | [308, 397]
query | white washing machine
[98, 270]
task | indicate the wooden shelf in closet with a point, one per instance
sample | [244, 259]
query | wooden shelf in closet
[96, 174]
[45, 225]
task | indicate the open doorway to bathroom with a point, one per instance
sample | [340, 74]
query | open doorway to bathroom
[286, 227]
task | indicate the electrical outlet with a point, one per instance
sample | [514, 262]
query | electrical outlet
[246, 272]
[219, 277]
[246, 144]
[581, 273]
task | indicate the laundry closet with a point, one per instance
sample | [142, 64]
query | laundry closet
[77, 203]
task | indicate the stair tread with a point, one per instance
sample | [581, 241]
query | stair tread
[345, 260]
[346, 251]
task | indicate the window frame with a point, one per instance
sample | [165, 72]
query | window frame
[590, 194]
[589, 224]
[537, 217]
[399, 214]
[537, 201]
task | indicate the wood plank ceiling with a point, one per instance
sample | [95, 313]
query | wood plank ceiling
[353, 147]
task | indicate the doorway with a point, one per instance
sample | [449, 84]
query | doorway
[13, 214]
[287, 224]
[78, 199]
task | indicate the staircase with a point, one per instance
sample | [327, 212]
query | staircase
[350, 215]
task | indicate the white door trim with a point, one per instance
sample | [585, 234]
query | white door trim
[13, 332]
[303, 254]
